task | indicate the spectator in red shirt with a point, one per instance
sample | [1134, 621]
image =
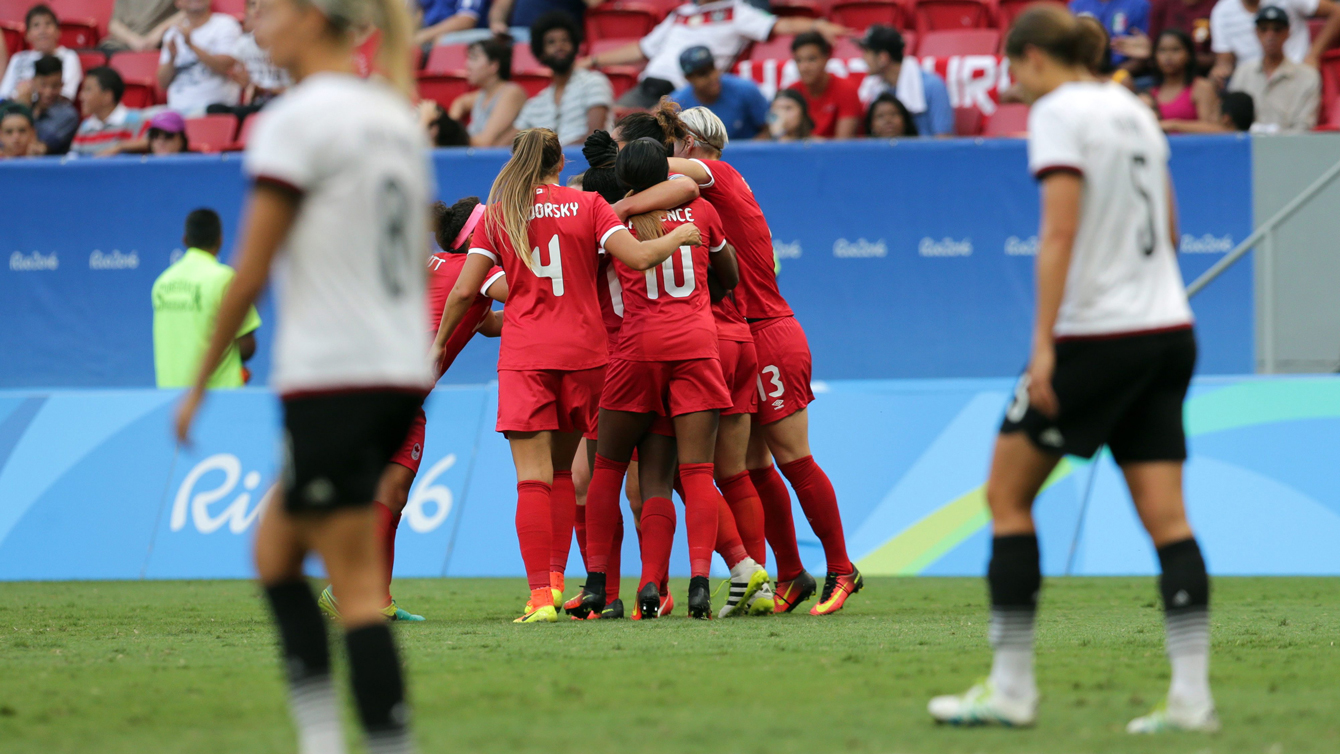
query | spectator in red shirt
[833, 102]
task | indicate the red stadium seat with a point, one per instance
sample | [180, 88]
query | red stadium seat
[862, 14]
[1007, 10]
[13, 32]
[799, 8]
[235, 8]
[777, 48]
[947, 44]
[442, 88]
[935, 15]
[967, 121]
[1330, 84]
[14, 10]
[76, 35]
[82, 22]
[622, 78]
[446, 59]
[524, 62]
[211, 133]
[626, 20]
[910, 41]
[140, 72]
[244, 133]
[90, 59]
[1007, 120]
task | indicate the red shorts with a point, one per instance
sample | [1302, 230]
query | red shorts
[411, 450]
[667, 388]
[542, 400]
[739, 365]
[783, 368]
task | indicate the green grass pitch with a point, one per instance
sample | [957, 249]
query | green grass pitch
[191, 667]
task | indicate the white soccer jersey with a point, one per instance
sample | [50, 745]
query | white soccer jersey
[350, 278]
[1123, 274]
[724, 27]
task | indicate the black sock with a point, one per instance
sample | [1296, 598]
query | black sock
[379, 689]
[1014, 578]
[302, 634]
[1185, 586]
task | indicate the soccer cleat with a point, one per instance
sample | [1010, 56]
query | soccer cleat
[837, 588]
[612, 611]
[395, 613]
[648, 603]
[590, 600]
[746, 579]
[556, 584]
[1170, 716]
[667, 605]
[327, 604]
[763, 602]
[700, 598]
[789, 594]
[983, 705]
[542, 614]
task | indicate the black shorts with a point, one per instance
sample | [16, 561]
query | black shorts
[1126, 392]
[337, 445]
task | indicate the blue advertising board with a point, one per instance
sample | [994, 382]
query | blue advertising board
[91, 487]
[906, 259]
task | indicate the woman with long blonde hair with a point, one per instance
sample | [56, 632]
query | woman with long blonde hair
[341, 190]
[548, 238]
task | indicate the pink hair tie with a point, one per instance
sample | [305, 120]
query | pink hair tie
[470, 224]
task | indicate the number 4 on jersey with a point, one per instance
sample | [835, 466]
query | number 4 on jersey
[553, 270]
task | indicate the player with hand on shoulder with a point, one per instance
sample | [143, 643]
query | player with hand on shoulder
[549, 239]
[453, 227]
[1113, 354]
[342, 183]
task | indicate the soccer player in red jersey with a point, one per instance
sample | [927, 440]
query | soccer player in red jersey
[549, 239]
[453, 227]
[781, 426]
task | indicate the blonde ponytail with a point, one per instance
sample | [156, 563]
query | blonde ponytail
[393, 55]
[648, 226]
[536, 153]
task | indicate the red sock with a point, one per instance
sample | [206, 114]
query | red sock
[658, 537]
[533, 530]
[781, 530]
[819, 502]
[602, 512]
[728, 544]
[387, 522]
[615, 562]
[562, 515]
[579, 525]
[748, 512]
[700, 515]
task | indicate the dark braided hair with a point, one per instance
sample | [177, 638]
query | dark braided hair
[448, 221]
[601, 151]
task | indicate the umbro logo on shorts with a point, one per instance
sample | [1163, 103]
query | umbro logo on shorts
[777, 404]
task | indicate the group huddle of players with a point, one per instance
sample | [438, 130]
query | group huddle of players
[666, 355]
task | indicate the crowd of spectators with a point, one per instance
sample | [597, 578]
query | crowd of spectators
[1203, 66]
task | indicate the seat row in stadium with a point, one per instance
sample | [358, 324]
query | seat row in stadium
[83, 23]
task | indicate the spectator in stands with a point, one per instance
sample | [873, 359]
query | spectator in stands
[186, 300]
[464, 20]
[725, 28]
[834, 103]
[1179, 93]
[1234, 39]
[496, 101]
[55, 117]
[139, 25]
[516, 15]
[789, 117]
[579, 100]
[197, 59]
[109, 124]
[887, 118]
[43, 34]
[1236, 113]
[1286, 94]
[167, 134]
[1192, 17]
[258, 79]
[18, 138]
[922, 92]
[441, 129]
[736, 101]
[1120, 18]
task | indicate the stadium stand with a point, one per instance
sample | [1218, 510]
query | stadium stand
[623, 21]
[528, 72]
[800, 8]
[947, 44]
[140, 72]
[211, 133]
[83, 23]
[90, 59]
[1007, 120]
[935, 15]
[967, 121]
[446, 59]
[862, 14]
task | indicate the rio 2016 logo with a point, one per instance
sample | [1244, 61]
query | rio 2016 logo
[428, 506]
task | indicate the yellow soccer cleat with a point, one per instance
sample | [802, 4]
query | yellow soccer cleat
[395, 613]
[543, 614]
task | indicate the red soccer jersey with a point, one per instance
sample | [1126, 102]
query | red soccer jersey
[443, 271]
[757, 296]
[838, 100]
[552, 318]
[730, 322]
[667, 310]
[611, 299]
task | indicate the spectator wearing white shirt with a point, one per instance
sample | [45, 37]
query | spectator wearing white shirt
[258, 78]
[1233, 31]
[579, 100]
[725, 27]
[197, 59]
[42, 32]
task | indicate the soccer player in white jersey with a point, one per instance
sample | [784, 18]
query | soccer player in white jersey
[339, 205]
[1113, 353]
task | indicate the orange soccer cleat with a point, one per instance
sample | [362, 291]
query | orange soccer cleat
[789, 594]
[837, 588]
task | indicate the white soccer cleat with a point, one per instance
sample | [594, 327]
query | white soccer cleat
[1171, 716]
[747, 579]
[983, 705]
[764, 602]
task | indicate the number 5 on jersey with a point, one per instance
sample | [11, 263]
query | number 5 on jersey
[553, 270]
